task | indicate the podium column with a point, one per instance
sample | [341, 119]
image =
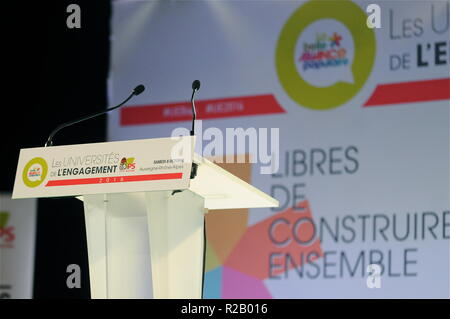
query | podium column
[175, 224]
[117, 238]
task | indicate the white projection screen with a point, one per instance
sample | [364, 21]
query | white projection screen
[360, 117]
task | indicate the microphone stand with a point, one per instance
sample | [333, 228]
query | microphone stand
[137, 90]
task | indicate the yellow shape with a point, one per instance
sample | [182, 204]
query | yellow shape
[211, 261]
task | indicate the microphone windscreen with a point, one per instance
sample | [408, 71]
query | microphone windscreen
[138, 89]
[196, 85]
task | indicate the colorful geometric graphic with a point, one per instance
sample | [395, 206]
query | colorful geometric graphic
[238, 258]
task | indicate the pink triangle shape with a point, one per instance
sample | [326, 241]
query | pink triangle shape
[236, 285]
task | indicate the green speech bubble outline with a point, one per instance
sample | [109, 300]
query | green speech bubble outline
[4, 217]
[324, 98]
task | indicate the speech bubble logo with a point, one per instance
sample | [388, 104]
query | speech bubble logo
[339, 53]
[324, 53]
[34, 172]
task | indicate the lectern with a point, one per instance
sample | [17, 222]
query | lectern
[144, 203]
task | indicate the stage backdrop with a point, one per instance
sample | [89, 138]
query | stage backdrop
[17, 239]
[363, 117]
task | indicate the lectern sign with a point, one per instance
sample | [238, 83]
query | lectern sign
[131, 214]
[130, 166]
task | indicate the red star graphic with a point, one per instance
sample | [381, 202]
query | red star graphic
[336, 39]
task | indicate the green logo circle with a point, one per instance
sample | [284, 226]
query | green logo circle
[324, 98]
[34, 172]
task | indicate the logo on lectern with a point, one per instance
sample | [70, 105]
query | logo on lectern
[127, 164]
[34, 172]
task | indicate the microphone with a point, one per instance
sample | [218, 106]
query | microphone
[195, 88]
[136, 91]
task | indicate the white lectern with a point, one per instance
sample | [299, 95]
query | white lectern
[144, 204]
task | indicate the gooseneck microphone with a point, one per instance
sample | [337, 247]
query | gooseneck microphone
[195, 88]
[137, 90]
